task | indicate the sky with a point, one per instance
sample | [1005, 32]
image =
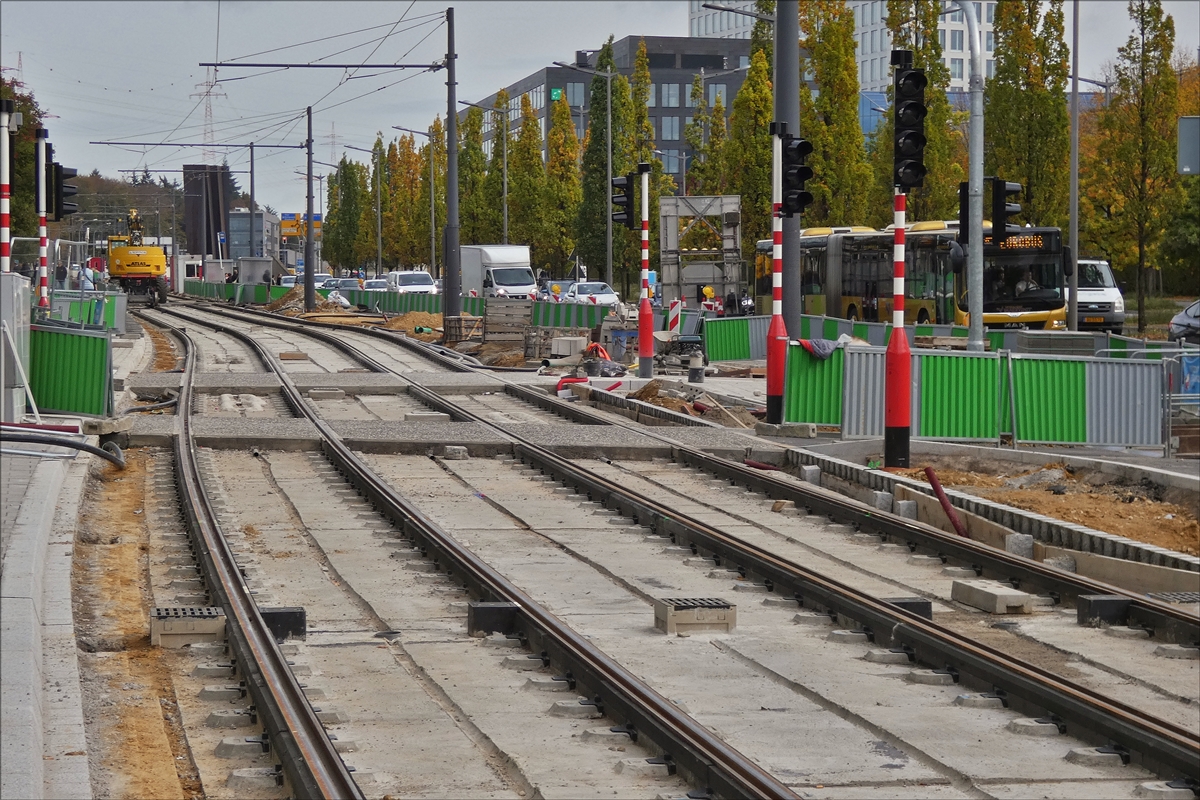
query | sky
[129, 71]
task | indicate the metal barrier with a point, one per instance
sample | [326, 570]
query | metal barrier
[956, 396]
[813, 387]
[71, 370]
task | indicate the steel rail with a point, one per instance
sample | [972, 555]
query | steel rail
[309, 761]
[689, 748]
[1159, 745]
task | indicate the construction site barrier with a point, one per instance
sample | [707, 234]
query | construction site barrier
[90, 308]
[71, 369]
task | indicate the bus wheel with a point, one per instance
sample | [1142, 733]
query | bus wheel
[852, 314]
[923, 317]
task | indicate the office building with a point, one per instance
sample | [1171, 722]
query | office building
[674, 63]
[266, 226]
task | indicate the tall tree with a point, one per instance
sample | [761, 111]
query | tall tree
[716, 175]
[1136, 149]
[401, 245]
[472, 171]
[435, 148]
[563, 191]
[590, 228]
[841, 174]
[914, 26]
[1028, 130]
[762, 35]
[527, 186]
[748, 155]
[23, 181]
[644, 153]
[1181, 240]
[340, 229]
[491, 215]
[695, 135]
[627, 248]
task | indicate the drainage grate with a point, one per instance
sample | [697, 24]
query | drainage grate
[1176, 597]
[186, 612]
[682, 603]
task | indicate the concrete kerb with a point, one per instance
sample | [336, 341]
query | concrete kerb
[1043, 529]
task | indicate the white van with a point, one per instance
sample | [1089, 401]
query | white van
[411, 282]
[1101, 305]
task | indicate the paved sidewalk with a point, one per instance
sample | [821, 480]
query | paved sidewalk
[41, 714]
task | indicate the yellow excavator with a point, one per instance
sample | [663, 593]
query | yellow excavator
[140, 269]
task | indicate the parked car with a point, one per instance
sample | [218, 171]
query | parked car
[1101, 305]
[1185, 326]
[346, 284]
[375, 285]
[287, 280]
[411, 282]
[328, 283]
[596, 292]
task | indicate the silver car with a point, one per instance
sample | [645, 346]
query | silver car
[596, 292]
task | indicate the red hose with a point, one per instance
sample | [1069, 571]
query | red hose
[565, 380]
[945, 501]
[760, 465]
[35, 426]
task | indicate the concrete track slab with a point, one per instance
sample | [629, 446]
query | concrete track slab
[592, 441]
[352, 383]
[455, 382]
[420, 437]
[152, 430]
[237, 433]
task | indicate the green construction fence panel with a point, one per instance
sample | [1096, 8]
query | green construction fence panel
[70, 371]
[727, 339]
[812, 390]
[959, 396]
[1050, 397]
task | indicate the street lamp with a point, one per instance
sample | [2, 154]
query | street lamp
[608, 76]
[378, 207]
[505, 160]
[432, 194]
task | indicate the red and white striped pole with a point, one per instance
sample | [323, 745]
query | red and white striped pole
[645, 311]
[6, 110]
[777, 338]
[897, 416]
[42, 191]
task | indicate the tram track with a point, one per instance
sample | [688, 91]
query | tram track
[1161, 746]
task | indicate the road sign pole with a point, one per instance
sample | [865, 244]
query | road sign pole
[645, 312]
[897, 417]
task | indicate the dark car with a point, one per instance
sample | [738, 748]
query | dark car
[1185, 326]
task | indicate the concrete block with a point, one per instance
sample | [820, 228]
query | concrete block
[426, 416]
[455, 452]
[978, 701]
[905, 508]
[812, 619]
[779, 602]
[605, 736]
[213, 670]
[925, 561]
[686, 615]
[331, 716]
[234, 718]
[1019, 544]
[992, 597]
[1033, 727]
[540, 684]
[345, 745]
[811, 474]
[209, 650]
[1123, 632]
[886, 657]
[1164, 790]
[500, 640]
[1177, 651]
[1111, 609]
[574, 709]
[252, 778]
[928, 677]
[240, 747]
[882, 501]
[326, 393]
[1095, 757]
[220, 692]
[644, 768]
[101, 427]
[847, 637]
[522, 663]
[747, 586]
[958, 572]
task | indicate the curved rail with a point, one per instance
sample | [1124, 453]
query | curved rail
[1160, 745]
[311, 764]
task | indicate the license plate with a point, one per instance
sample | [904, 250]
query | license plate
[1093, 319]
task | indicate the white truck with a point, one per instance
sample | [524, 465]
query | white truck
[497, 270]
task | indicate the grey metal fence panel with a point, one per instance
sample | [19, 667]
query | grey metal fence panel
[1124, 402]
[862, 393]
[758, 336]
[914, 427]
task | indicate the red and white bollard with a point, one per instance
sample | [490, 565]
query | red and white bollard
[6, 109]
[777, 338]
[42, 191]
[897, 404]
[645, 311]
[674, 311]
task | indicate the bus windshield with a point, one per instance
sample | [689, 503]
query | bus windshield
[1020, 283]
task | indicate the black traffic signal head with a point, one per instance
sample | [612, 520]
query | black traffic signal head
[795, 172]
[909, 118]
[62, 191]
[622, 198]
[1002, 210]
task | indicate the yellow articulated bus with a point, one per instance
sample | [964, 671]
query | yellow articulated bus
[847, 273]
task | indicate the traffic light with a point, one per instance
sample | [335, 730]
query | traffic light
[964, 206]
[1002, 210]
[795, 173]
[909, 117]
[622, 198]
[63, 190]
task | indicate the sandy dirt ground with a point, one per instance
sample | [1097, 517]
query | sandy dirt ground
[136, 744]
[1143, 512]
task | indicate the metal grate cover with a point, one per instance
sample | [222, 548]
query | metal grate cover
[1176, 597]
[190, 612]
[681, 603]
